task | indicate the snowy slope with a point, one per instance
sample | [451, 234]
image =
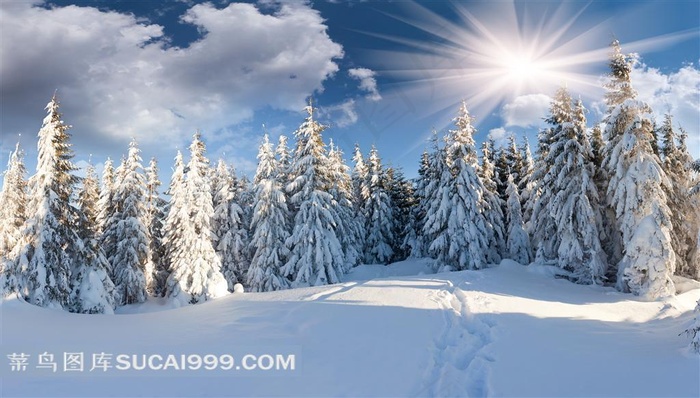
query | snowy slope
[505, 331]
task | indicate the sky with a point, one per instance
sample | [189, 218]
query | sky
[381, 73]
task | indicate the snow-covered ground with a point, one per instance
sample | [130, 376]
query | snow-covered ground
[504, 331]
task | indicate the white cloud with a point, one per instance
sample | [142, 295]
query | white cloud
[368, 83]
[340, 115]
[526, 110]
[676, 92]
[118, 80]
[498, 135]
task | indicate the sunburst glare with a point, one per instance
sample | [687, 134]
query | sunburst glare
[495, 52]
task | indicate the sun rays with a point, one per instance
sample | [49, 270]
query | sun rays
[491, 53]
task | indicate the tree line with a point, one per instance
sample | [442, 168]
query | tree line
[613, 204]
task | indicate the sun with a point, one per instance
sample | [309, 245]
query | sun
[520, 68]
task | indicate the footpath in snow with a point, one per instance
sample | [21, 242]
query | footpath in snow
[505, 331]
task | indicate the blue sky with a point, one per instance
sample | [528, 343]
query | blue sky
[382, 73]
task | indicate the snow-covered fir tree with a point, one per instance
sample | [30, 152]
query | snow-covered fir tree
[543, 219]
[155, 217]
[316, 256]
[515, 161]
[129, 230]
[88, 198]
[677, 165]
[540, 169]
[51, 247]
[402, 198]
[414, 242]
[92, 288]
[105, 209]
[636, 191]
[575, 202]
[360, 179]
[492, 206]
[196, 273]
[105, 203]
[618, 90]
[350, 229]
[243, 196]
[378, 210]
[597, 148]
[502, 171]
[518, 243]
[437, 205]
[177, 216]
[284, 159]
[525, 184]
[13, 214]
[360, 190]
[692, 222]
[467, 233]
[270, 225]
[227, 225]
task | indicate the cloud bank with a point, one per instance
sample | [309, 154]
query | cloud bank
[118, 78]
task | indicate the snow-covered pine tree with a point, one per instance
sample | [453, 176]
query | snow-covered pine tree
[575, 202]
[243, 196]
[543, 218]
[176, 219]
[693, 219]
[597, 148]
[316, 256]
[155, 217]
[92, 288]
[349, 230]
[540, 169]
[13, 214]
[196, 276]
[618, 90]
[525, 183]
[413, 242]
[502, 170]
[105, 205]
[227, 225]
[515, 161]
[360, 192]
[677, 165]
[378, 210]
[401, 193]
[130, 232]
[492, 206]
[636, 189]
[51, 247]
[88, 197]
[283, 160]
[270, 225]
[467, 230]
[518, 242]
[437, 205]
[107, 209]
[360, 179]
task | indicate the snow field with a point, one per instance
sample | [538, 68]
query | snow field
[504, 331]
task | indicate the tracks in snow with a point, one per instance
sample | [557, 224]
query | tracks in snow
[460, 366]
